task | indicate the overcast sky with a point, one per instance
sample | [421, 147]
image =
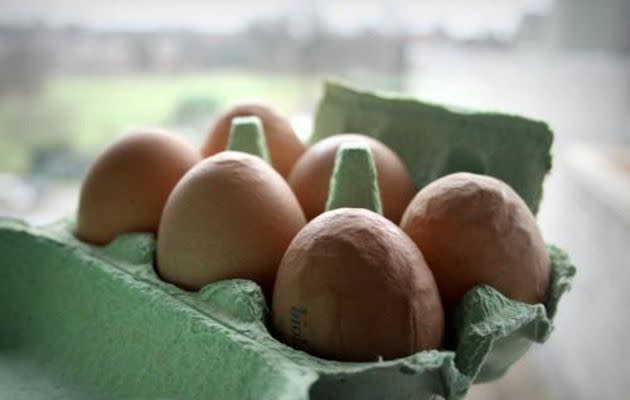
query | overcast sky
[460, 17]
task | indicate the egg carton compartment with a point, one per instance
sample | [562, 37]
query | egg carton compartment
[82, 321]
[96, 322]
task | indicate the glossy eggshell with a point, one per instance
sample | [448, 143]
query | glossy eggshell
[127, 186]
[231, 216]
[284, 146]
[352, 286]
[474, 229]
[310, 178]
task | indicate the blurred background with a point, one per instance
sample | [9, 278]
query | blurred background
[76, 74]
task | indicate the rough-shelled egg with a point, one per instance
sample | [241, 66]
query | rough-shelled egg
[126, 187]
[352, 286]
[284, 146]
[310, 176]
[230, 216]
[474, 229]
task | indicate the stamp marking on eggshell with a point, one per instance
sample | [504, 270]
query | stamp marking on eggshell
[298, 314]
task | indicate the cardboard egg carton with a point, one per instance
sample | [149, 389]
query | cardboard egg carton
[81, 321]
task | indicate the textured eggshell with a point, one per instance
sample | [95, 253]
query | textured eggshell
[310, 178]
[352, 286]
[284, 146]
[231, 216]
[474, 229]
[127, 186]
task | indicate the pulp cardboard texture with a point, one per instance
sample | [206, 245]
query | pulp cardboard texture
[81, 321]
[247, 134]
[354, 180]
[434, 140]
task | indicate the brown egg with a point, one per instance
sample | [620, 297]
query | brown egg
[128, 184]
[231, 216]
[284, 146]
[352, 286]
[310, 178]
[474, 229]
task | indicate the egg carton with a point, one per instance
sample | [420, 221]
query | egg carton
[82, 321]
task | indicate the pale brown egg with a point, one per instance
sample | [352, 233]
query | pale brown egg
[284, 146]
[352, 286]
[310, 178]
[128, 184]
[474, 229]
[231, 216]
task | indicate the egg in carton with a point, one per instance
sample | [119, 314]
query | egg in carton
[97, 321]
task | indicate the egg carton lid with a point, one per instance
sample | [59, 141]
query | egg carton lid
[435, 140]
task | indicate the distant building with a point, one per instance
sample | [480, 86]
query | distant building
[588, 24]
[532, 30]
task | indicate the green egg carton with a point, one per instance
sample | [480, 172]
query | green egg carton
[80, 321]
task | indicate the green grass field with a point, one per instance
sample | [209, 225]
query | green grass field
[85, 113]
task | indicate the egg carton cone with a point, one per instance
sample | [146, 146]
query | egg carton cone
[81, 321]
